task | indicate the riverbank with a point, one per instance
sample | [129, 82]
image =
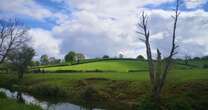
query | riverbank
[115, 91]
[10, 104]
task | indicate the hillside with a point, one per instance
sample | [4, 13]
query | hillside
[119, 65]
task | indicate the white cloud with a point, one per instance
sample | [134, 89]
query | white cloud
[98, 27]
[44, 42]
[191, 32]
[194, 3]
[97, 30]
[25, 7]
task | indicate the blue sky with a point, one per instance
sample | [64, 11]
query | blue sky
[86, 26]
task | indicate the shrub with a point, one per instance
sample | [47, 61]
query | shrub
[2, 95]
[148, 104]
[205, 66]
[177, 103]
[171, 103]
[49, 90]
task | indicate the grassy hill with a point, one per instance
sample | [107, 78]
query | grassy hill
[108, 65]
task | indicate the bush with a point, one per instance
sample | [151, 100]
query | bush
[2, 95]
[49, 90]
[177, 103]
[205, 66]
[148, 104]
[171, 103]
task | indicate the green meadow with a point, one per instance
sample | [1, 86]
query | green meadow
[113, 65]
[120, 85]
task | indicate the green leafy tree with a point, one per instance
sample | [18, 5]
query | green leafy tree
[106, 57]
[44, 60]
[70, 57]
[205, 57]
[35, 63]
[140, 57]
[53, 60]
[79, 57]
[20, 59]
[121, 56]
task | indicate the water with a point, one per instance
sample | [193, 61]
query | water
[45, 105]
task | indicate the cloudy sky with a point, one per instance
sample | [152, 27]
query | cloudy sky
[99, 27]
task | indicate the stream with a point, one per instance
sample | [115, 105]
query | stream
[45, 105]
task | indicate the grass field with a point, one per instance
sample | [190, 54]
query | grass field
[121, 90]
[9, 104]
[126, 89]
[109, 65]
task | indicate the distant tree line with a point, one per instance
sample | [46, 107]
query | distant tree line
[46, 60]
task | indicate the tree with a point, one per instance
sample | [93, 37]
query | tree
[187, 58]
[13, 35]
[79, 57]
[121, 56]
[205, 57]
[44, 60]
[157, 73]
[196, 58]
[70, 57]
[35, 63]
[140, 57]
[53, 60]
[106, 57]
[20, 59]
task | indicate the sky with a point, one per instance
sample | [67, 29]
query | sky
[108, 27]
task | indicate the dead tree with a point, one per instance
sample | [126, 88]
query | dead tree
[158, 69]
[12, 35]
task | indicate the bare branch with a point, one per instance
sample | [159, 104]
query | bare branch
[156, 72]
[12, 35]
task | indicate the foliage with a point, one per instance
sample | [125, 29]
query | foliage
[171, 103]
[140, 57]
[2, 95]
[205, 66]
[35, 63]
[8, 104]
[121, 56]
[116, 87]
[44, 60]
[70, 57]
[20, 59]
[54, 61]
[106, 57]
[79, 57]
[205, 57]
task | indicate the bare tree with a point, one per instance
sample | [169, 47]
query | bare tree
[157, 73]
[12, 35]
